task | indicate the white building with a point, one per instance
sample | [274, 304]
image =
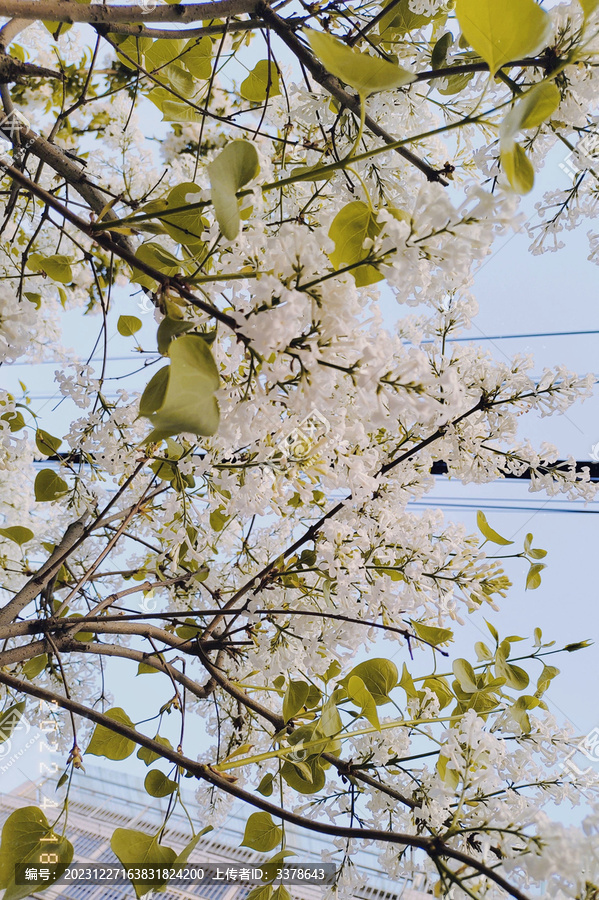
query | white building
[108, 799]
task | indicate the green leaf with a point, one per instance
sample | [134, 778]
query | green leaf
[262, 82]
[545, 679]
[493, 630]
[487, 532]
[231, 170]
[141, 849]
[83, 636]
[439, 686]
[431, 634]
[261, 833]
[299, 782]
[515, 676]
[359, 693]
[266, 786]
[49, 486]
[407, 683]
[482, 651]
[440, 50]
[173, 110]
[465, 676]
[186, 402]
[156, 256]
[109, 744]
[330, 722]
[533, 579]
[186, 227]
[537, 553]
[161, 53]
[531, 110]
[168, 329]
[197, 57]
[589, 7]
[10, 719]
[144, 668]
[46, 443]
[34, 666]
[295, 698]
[17, 533]
[133, 47]
[23, 841]
[367, 74]
[149, 756]
[352, 225]
[182, 858]
[281, 893]
[503, 31]
[15, 420]
[451, 777]
[128, 325]
[56, 267]
[518, 711]
[380, 676]
[158, 785]
[154, 392]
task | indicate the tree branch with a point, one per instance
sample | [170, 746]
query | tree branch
[96, 14]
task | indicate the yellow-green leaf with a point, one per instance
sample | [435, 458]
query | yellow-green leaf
[186, 227]
[503, 30]
[262, 82]
[17, 533]
[57, 267]
[24, 839]
[350, 228]
[367, 74]
[380, 676]
[431, 634]
[197, 57]
[589, 7]
[108, 743]
[156, 256]
[182, 399]
[231, 170]
[49, 486]
[158, 785]
[141, 850]
[261, 833]
[128, 325]
[359, 693]
[46, 443]
[35, 665]
[149, 756]
[487, 532]
[519, 170]
[531, 110]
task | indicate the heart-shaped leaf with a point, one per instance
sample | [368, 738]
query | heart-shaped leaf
[503, 30]
[231, 170]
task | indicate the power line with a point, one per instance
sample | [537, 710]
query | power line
[506, 337]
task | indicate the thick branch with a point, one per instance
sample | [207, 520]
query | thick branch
[96, 14]
[48, 571]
